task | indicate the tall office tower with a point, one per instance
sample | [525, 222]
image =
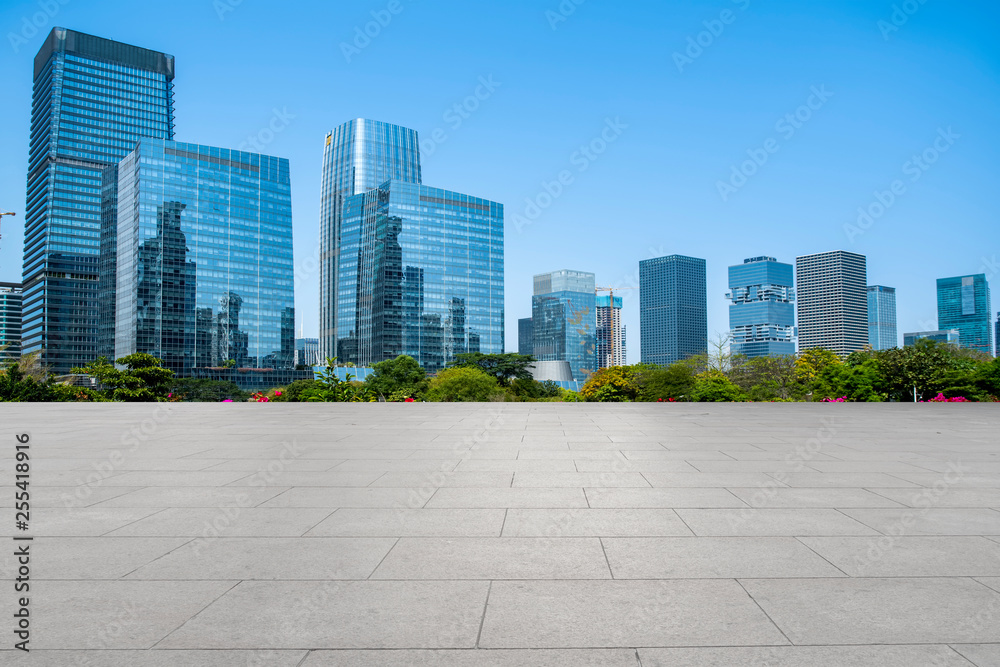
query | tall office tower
[92, 100]
[762, 312]
[831, 289]
[420, 273]
[205, 275]
[882, 334]
[564, 320]
[964, 304]
[610, 333]
[525, 336]
[10, 321]
[996, 337]
[673, 309]
[359, 156]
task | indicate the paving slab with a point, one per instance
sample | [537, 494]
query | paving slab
[600, 614]
[907, 556]
[415, 558]
[400, 522]
[880, 611]
[771, 522]
[553, 523]
[803, 656]
[335, 614]
[981, 655]
[153, 658]
[476, 658]
[929, 521]
[714, 558]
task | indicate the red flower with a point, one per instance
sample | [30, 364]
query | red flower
[409, 400]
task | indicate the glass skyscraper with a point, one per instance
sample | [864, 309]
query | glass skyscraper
[673, 309]
[831, 290]
[762, 308]
[610, 333]
[420, 273]
[92, 100]
[564, 320]
[882, 334]
[204, 259]
[525, 336]
[358, 156]
[964, 304]
[10, 321]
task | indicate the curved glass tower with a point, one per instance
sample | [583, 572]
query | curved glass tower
[359, 156]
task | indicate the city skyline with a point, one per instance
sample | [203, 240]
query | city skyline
[476, 157]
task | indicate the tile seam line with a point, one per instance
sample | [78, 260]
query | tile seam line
[799, 540]
[195, 615]
[482, 621]
[766, 615]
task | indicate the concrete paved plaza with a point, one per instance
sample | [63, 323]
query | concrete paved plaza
[507, 534]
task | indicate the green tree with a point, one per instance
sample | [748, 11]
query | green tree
[15, 386]
[714, 387]
[812, 362]
[611, 385]
[987, 378]
[766, 378]
[674, 381]
[527, 389]
[921, 366]
[143, 379]
[504, 367]
[329, 388]
[463, 384]
[395, 377]
[293, 393]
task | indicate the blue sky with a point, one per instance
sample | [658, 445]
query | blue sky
[692, 88]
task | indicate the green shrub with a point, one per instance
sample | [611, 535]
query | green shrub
[399, 376]
[462, 384]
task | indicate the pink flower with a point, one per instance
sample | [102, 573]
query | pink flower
[409, 400]
[228, 400]
[277, 393]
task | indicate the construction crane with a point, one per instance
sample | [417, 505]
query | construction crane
[1, 218]
[611, 291]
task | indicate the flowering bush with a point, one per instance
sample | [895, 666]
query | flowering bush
[842, 399]
[941, 399]
[666, 400]
[259, 397]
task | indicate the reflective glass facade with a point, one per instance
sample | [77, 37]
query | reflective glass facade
[964, 304]
[358, 156]
[762, 308]
[420, 272]
[951, 337]
[832, 295]
[611, 350]
[92, 100]
[204, 259]
[564, 320]
[10, 321]
[673, 309]
[525, 336]
[882, 317]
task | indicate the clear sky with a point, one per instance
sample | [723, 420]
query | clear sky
[884, 85]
